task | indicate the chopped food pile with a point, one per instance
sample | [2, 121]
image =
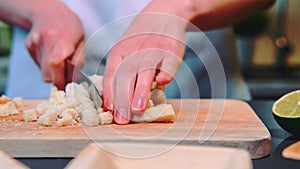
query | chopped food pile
[10, 106]
[72, 106]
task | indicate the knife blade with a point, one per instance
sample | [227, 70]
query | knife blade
[74, 74]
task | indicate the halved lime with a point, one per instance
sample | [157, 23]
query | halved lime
[286, 111]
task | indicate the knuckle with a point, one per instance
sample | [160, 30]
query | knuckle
[48, 33]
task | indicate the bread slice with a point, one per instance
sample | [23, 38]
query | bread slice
[163, 113]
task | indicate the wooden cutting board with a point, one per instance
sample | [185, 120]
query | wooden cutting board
[225, 123]
[191, 157]
[7, 162]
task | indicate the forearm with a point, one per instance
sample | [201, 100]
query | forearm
[209, 14]
[20, 12]
[221, 13]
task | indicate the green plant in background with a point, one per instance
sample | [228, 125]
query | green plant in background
[254, 25]
[5, 38]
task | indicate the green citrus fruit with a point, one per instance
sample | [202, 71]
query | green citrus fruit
[286, 111]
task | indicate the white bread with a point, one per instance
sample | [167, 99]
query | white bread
[4, 99]
[8, 109]
[105, 118]
[68, 121]
[4, 110]
[48, 118]
[75, 105]
[159, 113]
[42, 107]
[18, 101]
[89, 117]
[30, 115]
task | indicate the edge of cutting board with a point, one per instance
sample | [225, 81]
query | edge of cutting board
[21, 139]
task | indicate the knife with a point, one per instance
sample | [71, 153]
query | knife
[73, 74]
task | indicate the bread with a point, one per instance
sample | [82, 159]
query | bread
[4, 99]
[30, 115]
[68, 121]
[48, 118]
[105, 118]
[158, 113]
[75, 105]
[8, 109]
[18, 101]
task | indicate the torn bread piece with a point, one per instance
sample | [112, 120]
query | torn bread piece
[30, 115]
[68, 121]
[157, 110]
[158, 113]
[74, 105]
[89, 117]
[8, 109]
[48, 118]
[19, 102]
[4, 99]
[105, 118]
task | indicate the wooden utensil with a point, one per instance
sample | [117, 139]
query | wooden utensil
[292, 151]
[223, 123]
[192, 157]
[7, 162]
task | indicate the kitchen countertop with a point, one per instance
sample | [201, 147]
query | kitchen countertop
[280, 139]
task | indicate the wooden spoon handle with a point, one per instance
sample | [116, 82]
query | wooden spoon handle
[292, 151]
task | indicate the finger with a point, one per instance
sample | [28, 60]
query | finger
[78, 57]
[78, 60]
[143, 86]
[33, 46]
[124, 83]
[142, 91]
[60, 53]
[113, 61]
[167, 69]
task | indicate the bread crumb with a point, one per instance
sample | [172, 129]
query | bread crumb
[69, 121]
[97, 80]
[89, 117]
[4, 110]
[18, 101]
[4, 99]
[48, 118]
[30, 115]
[7, 109]
[42, 107]
[105, 118]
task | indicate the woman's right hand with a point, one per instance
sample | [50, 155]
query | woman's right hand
[56, 34]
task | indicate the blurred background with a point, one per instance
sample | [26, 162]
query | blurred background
[268, 44]
[268, 48]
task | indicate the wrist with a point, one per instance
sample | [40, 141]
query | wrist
[39, 8]
[184, 9]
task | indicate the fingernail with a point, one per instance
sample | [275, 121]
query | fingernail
[122, 116]
[109, 104]
[138, 104]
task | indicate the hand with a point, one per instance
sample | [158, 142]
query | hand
[151, 49]
[55, 35]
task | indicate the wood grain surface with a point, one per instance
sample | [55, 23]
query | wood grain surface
[225, 123]
[7, 162]
[191, 157]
